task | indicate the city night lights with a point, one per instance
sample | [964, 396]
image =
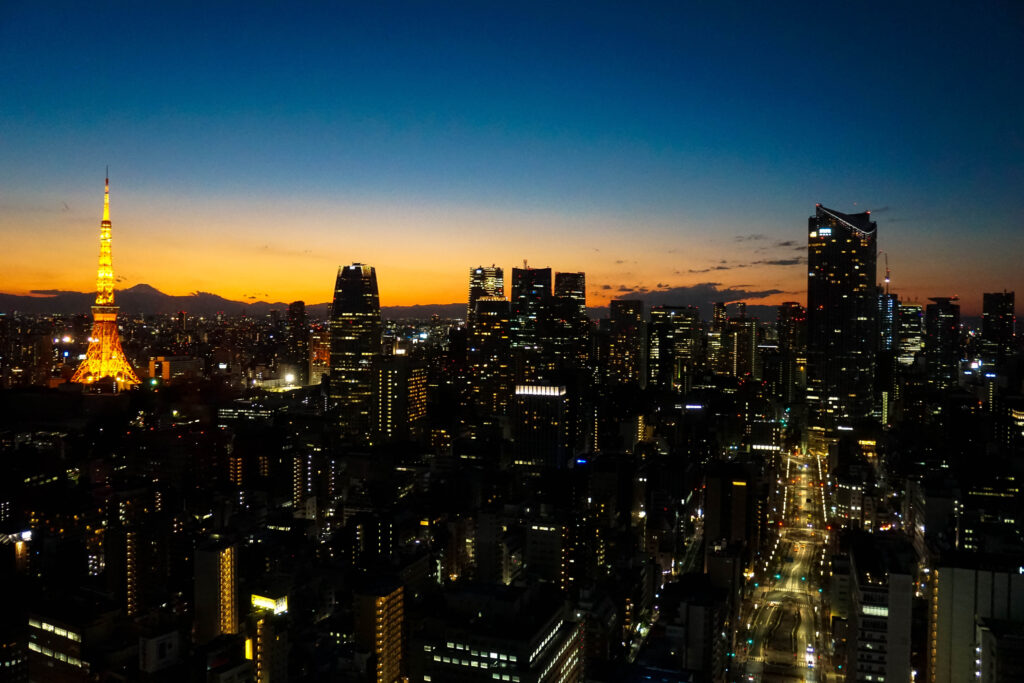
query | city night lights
[739, 398]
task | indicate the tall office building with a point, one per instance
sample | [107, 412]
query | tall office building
[741, 347]
[542, 427]
[717, 351]
[356, 341]
[572, 286]
[626, 342]
[888, 321]
[298, 341]
[531, 292]
[888, 383]
[565, 330]
[484, 281]
[910, 333]
[216, 603]
[998, 324]
[673, 346]
[842, 314]
[942, 341]
[791, 328]
[489, 356]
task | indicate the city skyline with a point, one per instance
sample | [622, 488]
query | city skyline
[652, 149]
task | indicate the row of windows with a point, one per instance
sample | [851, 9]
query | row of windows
[59, 656]
[50, 628]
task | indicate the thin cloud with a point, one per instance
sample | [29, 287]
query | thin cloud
[750, 238]
[702, 294]
[781, 261]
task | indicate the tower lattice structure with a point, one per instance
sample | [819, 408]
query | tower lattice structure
[105, 357]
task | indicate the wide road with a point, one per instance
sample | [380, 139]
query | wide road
[782, 630]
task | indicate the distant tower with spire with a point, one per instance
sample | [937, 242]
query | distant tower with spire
[105, 357]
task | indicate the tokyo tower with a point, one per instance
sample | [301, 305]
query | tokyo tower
[105, 358]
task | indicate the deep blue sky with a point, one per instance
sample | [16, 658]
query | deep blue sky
[679, 123]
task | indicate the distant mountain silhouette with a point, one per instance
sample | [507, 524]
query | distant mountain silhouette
[143, 299]
[146, 299]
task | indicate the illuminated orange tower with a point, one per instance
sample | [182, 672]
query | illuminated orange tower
[105, 358]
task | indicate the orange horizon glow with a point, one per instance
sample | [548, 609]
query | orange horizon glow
[280, 252]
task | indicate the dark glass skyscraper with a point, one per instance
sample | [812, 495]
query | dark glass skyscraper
[531, 291]
[572, 286]
[997, 324]
[842, 314]
[942, 341]
[356, 339]
[298, 341]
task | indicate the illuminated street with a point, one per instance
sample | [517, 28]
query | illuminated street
[783, 633]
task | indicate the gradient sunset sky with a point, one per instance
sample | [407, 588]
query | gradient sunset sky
[675, 148]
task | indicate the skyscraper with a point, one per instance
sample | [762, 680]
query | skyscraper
[791, 326]
[104, 359]
[572, 286]
[842, 314]
[488, 352]
[298, 341]
[531, 291]
[356, 340]
[565, 332]
[910, 333]
[997, 324]
[484, 281]
[942, 341]
[673, 345]
[626, 342]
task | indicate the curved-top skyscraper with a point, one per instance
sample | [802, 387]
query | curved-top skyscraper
[842, 314]
[105, 358]
[356, 340]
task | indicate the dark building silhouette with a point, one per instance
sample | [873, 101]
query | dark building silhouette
[565, 330]
[942, 341]
[531, 292]
[298, 341]
[998, 324]
[842, 314]
[791, 328]
[356, 339]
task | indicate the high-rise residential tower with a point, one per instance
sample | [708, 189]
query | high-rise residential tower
[104, 359]
[842, 314]
[356, 341]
